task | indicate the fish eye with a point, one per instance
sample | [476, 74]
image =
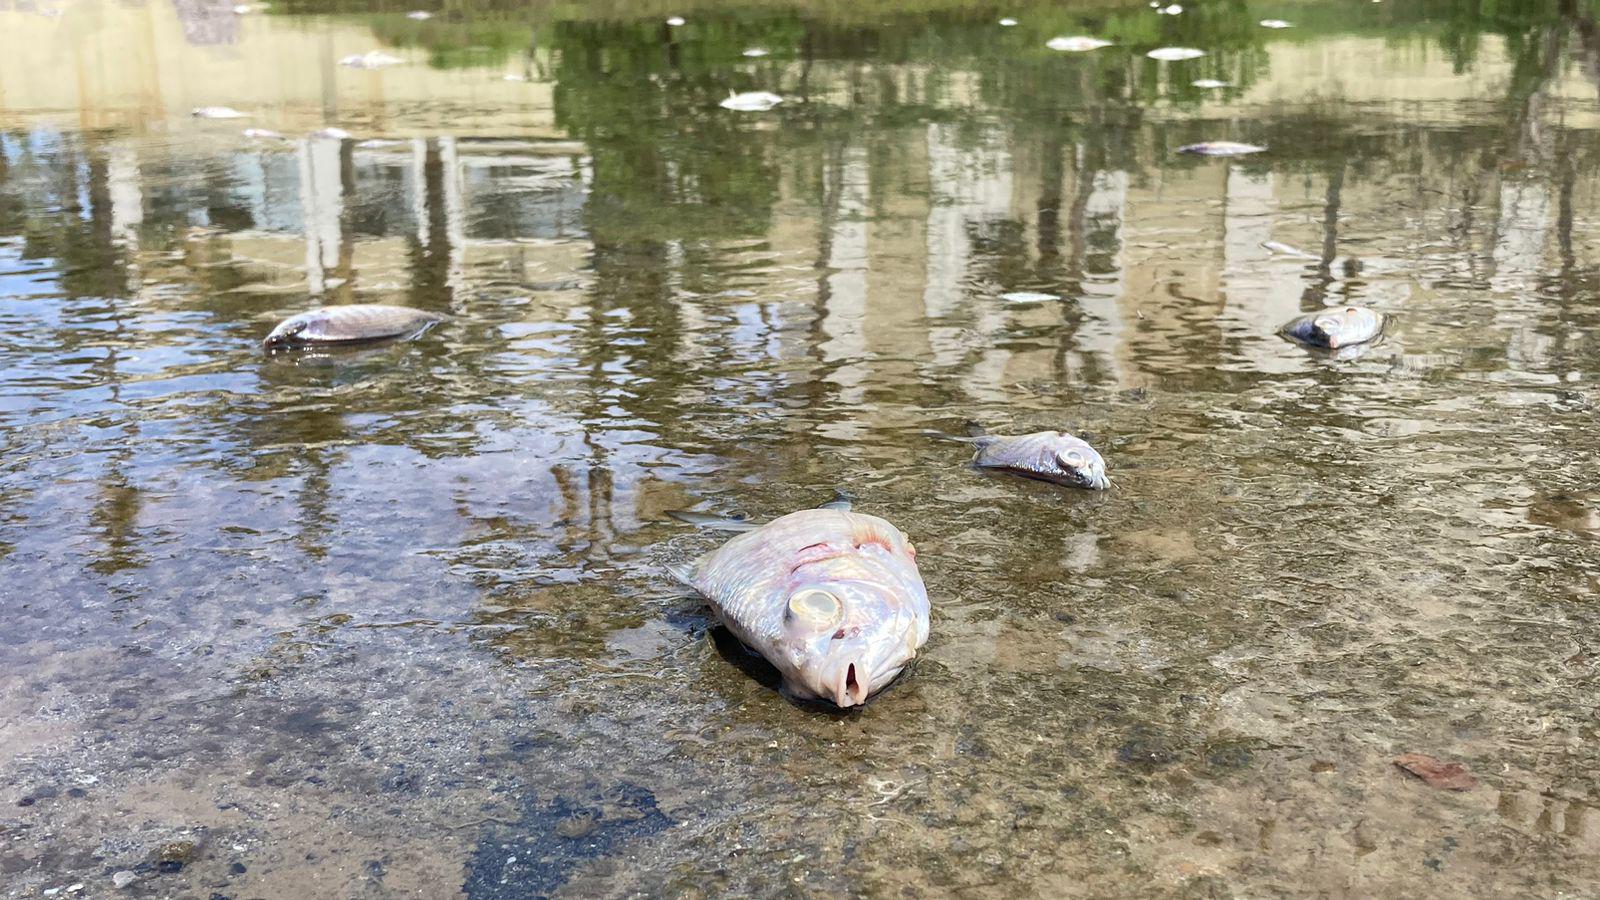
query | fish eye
[1326, 323]
[814, 605]
[1072, 459]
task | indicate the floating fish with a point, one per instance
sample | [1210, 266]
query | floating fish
[1076, 44]
[217, 112]
[1028, 297]
[831, 598]
[376, 144]
[337, 134]
[349, 324]
[1210, 83]
[757, 52]
[1275, 23]
[751, 101]
[1286, 250]
[245, 9]
[1221, 148]
[1175, 54]
[372, 59]
[1335, 327]
[1172, 10]
[419, 15]
[262, 134]
[675, 21]
[1008, 23]
[512, 76]
[1053, 456]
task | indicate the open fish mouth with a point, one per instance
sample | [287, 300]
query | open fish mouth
[854, 685]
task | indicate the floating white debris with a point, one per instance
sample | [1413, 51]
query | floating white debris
[1028, 297]
[1175, 54]
[1286, 250]
[755, 52]
[751, 101]
[419, 15]
[1008, 22]
[675, 21]
[372, 59]
[338, 134]
[262, 134]
[1076, 44]
[1275, 23]
[217, 112]
[1210, 83]
[1221, 148]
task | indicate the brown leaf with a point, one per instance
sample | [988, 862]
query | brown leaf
[1437, 773]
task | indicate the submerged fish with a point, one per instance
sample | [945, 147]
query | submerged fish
[1335, 327]
[1287, 250]
[1054, 456]
[1175, 54]
[1221, 148]
[1076, 44]
[217, 112]
[372, 59]
[831, 598]
[349, 324]
[751, 101]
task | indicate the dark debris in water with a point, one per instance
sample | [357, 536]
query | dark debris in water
[537, 855]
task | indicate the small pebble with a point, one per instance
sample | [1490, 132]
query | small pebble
[123, 878]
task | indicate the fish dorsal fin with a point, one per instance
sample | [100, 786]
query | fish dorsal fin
[715, 523]
[841, 502]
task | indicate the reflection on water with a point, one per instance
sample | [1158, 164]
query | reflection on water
[395, 619]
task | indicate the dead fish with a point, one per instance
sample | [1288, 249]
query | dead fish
[675, 21]
[349, 324]
[1275, 23]
[1210, 83]
[1054, 456]
[337, 134]
[419, 15]
[372, 59]
[832, 598]
[217, 112]
[1008, 22]
[1076, 44]
[1221, 148]
[751, 101]
[1028, 297]
[261, 134]
[1287, 250]
[1175, 54]
[757, 52]
[1335, 327]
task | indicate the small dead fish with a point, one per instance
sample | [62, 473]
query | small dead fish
[1076, 44]
[757, 52]
[1054, 456]
[372, 59]
[262, 134]
[1008, 22]
[1173, 10]
[1286, 250]
[337, 134]
[751, 101]
[217, 112]
[831, 598]
[377, 144]
[419, 15]
[1221, 148]
[1175, 54]
[675, 21]
[1028, 297]
[349, 324]
[1275, 23]
[1210, 83]
[1335, 327]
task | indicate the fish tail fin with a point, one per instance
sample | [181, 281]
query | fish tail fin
[841, 501]
[716, 523]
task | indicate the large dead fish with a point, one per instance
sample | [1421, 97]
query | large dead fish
[349, 324]
[1335, 327]
[832, 598]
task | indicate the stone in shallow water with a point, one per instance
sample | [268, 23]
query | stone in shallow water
[123, 878]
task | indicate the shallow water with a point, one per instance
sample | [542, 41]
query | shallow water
[396, 621]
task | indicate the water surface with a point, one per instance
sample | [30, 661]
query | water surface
[396, 621]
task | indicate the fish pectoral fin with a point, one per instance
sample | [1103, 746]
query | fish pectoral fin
[683, 572]
[716, 523]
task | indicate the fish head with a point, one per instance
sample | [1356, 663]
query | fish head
[1336, 328]
[846, 640]
[288, 333]
[1077, 463]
